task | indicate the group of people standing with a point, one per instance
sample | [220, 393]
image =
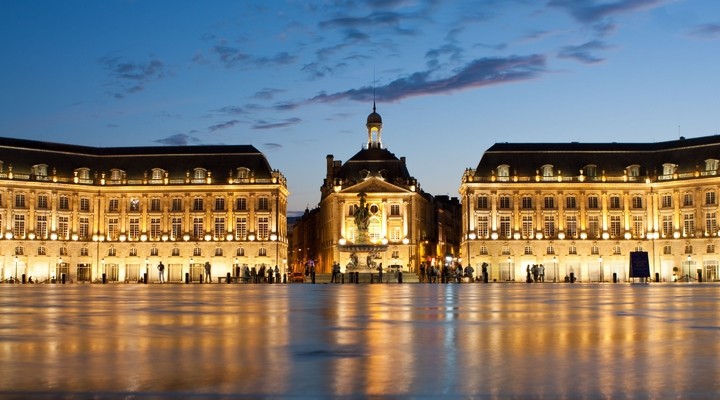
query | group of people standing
[446, 273]
[535, 273]
[250, 275]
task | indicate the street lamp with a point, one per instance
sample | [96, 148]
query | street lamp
[555, 269]
[16, 262]
[509, 262]
[602, 277]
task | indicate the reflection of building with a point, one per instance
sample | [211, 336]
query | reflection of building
[84, 211]
[400, 214]
[582, 208]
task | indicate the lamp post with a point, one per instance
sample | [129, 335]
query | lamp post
[16, 262]
[555, 269]
[509, 262]
[687, 276]
[602, 275]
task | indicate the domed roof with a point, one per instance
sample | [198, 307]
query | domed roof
[374, 118]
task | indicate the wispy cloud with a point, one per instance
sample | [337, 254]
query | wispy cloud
[131, 77]
[262, 124]
[584, 52]
[223, 125]
[592, 11]
[707, 31]
[266, 93]
[231, 110]
[478, 73]
[179, 139]
[272, 146]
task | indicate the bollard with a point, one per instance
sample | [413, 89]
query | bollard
[284, 278]
[572, 277]
[63, 278]
[371, 278]
[145, 278]
[201, 278]
[23, 279]
[699, 276]
[357, 278]
[187, 277]
[657, 277]
[399, 276]
[104, 278]
[614, 277]
[485, 277]
[228, 278]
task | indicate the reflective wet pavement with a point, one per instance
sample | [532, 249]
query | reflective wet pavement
[412, 340]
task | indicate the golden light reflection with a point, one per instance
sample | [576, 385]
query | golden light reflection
[468, 340]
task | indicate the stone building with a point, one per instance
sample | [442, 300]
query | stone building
[373, 211]
[582, 208]
[85, 212]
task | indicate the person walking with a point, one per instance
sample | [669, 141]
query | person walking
[208, 276]
[161, 272]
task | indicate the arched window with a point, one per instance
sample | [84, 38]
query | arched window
[218, 252]
[175, 252]
[243, 173]
[240, 252]
[197, 252]
[262, 252]
[154, 251]
[199, 173]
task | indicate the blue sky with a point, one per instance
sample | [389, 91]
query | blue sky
[296, 78]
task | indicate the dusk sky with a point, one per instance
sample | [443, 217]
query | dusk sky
[296, 79]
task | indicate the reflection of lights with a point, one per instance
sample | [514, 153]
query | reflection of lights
[342, 241]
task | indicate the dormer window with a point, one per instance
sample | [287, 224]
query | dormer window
[83, 173]
[590, 170]
[669, 169]
[116, 174]
[199, 173]
[503, 172]
[364, 174]
[547, 170]
[243, 173]
[40, 169]
[711, 165]
[383, 174]
[633, 170]
[157, 173]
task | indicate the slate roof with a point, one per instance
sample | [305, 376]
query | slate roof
[135, 161]
[374, 160]
[526, 158]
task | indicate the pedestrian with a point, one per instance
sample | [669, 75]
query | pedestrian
[535, 272]
[541, 272]
[161, 272]
[277, 274]
[208, 276]
[380, 271]
[422, 272]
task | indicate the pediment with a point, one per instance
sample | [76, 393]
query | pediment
[374, 185]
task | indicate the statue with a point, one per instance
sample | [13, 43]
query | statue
[362, 217]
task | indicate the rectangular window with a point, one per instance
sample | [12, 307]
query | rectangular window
[593, 202]
[84, 228]
[198, 204]
[687, 200]
[688, 224]
[263, 228]
[113, 228]
[615, 202]
[176, 229]
[241, 228]
[638, 226]
[504, 202]
[637, 202]
[219, 204]
[42, 202]
[594, 226]
[549, 226]
[527, 226]
[615, 227]
[198, 228]
[482, 203]
[64, 203]
[570, 202]
[63, 228]
[20, 200]
[84, 204]
[241, 204]
[114, 205]
[710, 198]
[154, 228]
[549, 202]
[395, 210]
[483, 226]
[155, 205]
[571, 226]
[219, 231]
[666, 200]
[177, 204]
[41, 226]
[711, 223]
[667, 226]
[395, 234]
[527, 202]
[134, 229]
[505, 226]
[263, 204]
[19, 227]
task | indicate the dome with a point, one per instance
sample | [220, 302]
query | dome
[374, 118]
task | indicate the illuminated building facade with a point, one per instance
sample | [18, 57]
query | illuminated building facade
[85, 212]
[581, 208]
[399, 214]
